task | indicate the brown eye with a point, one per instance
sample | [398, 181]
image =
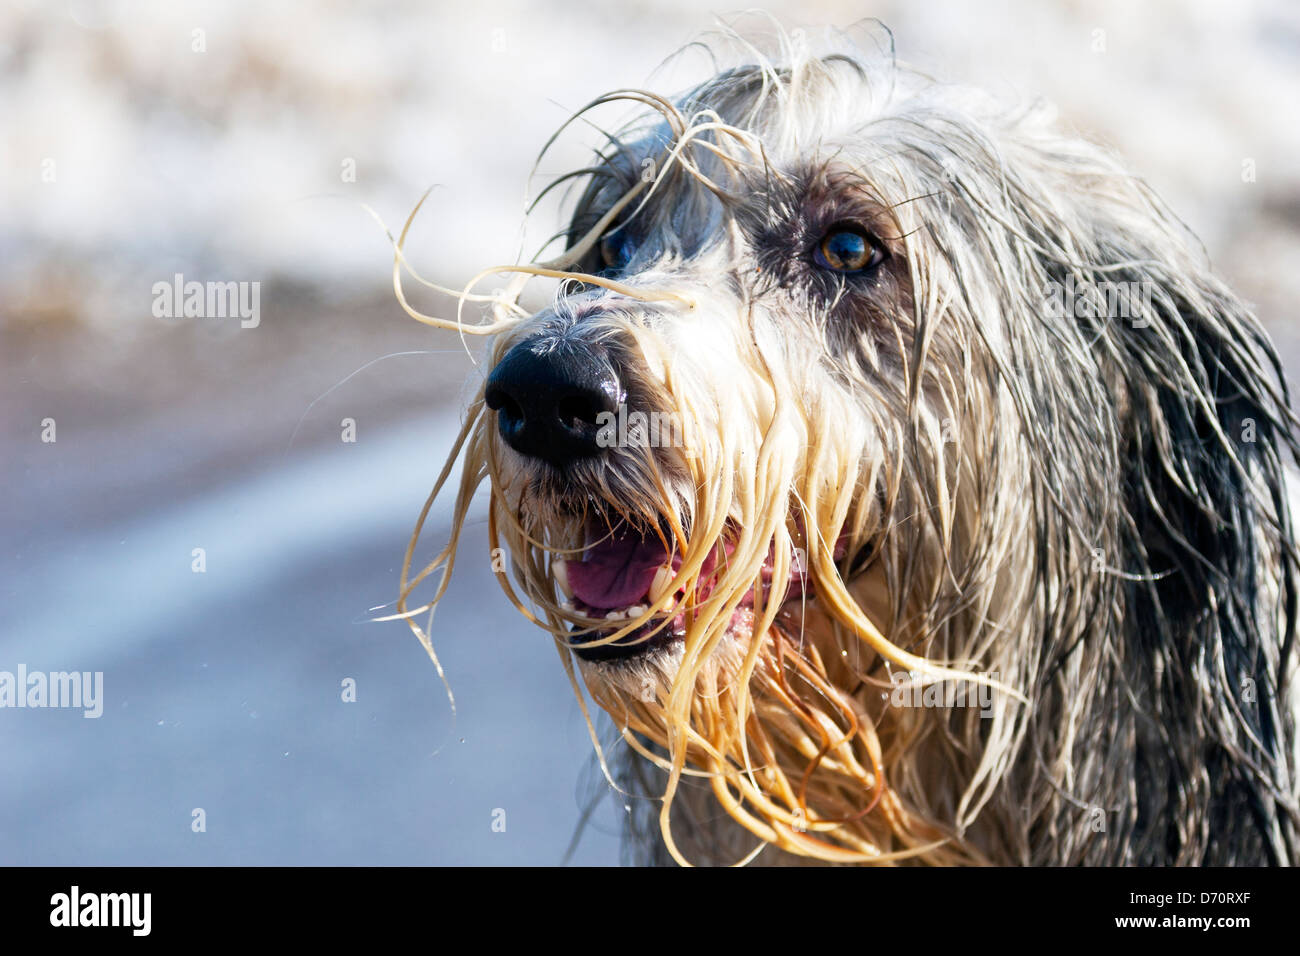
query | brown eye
[848, 249]
[616, 250]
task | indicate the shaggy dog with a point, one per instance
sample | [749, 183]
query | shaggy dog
[895, 473]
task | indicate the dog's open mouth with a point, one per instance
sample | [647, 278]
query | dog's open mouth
[624, 575]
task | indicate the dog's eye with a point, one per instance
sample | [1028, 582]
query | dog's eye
[848, 249]
[616, 250]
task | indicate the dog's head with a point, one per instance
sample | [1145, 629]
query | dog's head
[838, 395]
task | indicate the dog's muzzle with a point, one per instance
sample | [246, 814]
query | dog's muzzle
[549, 393]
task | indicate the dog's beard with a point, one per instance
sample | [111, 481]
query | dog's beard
[739, 652]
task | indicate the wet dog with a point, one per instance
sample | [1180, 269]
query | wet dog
[893, 470]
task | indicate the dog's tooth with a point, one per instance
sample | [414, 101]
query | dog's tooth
[560, 571]
[636, 610]
[661, 585]
[615, 616]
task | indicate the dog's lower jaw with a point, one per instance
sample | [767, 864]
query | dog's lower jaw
[659, 659]
[803, 635]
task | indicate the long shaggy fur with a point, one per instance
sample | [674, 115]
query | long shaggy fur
[989, 470]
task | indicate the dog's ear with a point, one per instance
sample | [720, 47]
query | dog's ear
[1196, 408]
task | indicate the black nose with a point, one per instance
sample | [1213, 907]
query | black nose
[549, 395]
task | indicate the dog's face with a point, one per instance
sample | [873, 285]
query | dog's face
[851, 380]
[723, 391]
[713, 455]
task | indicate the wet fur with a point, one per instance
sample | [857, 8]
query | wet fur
[1091, 509]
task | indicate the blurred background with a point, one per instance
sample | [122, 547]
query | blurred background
[240, 141]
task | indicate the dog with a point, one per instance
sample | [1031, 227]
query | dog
[894, 472]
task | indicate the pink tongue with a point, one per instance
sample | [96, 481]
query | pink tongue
[617, 571]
